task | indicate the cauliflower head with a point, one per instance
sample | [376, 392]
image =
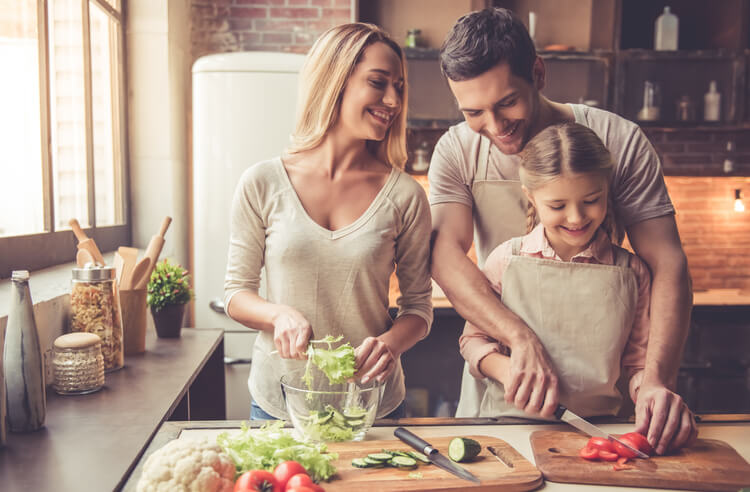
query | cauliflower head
[188, 465]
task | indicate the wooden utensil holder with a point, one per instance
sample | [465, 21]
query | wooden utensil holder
[133, 307]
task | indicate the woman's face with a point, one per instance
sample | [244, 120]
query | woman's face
[372, 97]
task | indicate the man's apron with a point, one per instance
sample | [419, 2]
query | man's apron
[578, 313]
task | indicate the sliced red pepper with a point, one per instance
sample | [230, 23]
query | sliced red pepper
[588, 453]
[622, 460]
[607, 456]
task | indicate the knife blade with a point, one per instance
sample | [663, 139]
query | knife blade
[562, 413]
[500, 456]
[433, 454]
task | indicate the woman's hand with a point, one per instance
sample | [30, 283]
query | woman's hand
[291, 333]
[374, 360]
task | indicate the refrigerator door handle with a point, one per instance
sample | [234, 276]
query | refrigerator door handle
[217, 306]
[231, 361]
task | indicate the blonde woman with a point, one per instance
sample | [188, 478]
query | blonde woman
[329, 220]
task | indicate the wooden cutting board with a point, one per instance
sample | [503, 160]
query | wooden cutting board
[493, 474]
[707, 465]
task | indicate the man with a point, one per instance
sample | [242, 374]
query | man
[496, 77]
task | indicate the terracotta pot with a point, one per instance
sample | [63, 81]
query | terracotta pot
[168, 320]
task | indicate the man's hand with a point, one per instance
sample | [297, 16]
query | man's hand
[664, 418]
[375, 360]
[291, 333]
[532, 383]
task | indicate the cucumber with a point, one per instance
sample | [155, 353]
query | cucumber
[371, 463]
[354, 413]
[355, 423]
[403, 462]
[360, 463]
[463, 449]
[419, 456]
[381, 457]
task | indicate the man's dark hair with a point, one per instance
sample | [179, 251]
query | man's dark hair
[480, 40]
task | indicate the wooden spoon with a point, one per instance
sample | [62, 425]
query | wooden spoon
[83, 257]
[129, 259]
[154, 249]
[141, 273]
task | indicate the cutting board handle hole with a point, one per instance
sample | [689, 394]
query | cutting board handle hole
[553, 450]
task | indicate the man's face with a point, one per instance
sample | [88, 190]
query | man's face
[501, 105]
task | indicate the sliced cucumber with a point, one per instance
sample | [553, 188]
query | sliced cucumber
[419, 456]
[403, 462]
[355, 413]
[463, 449]
[373, 463]
[381, 457]
[360, 463]
[354, 423]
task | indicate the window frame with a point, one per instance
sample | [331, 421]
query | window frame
[53, 247]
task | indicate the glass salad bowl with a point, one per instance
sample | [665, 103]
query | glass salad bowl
[325, 411]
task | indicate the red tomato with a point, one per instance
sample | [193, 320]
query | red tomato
[301, 488]
[302, 480]
[623, 451]
[587, 453]
[286, 470]
[639, 441]
[601, 444]
[257, 481]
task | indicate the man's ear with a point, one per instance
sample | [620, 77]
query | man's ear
[538, 73]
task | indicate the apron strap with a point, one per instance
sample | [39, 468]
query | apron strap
[483, 158]
[622, 257]
[515, 245]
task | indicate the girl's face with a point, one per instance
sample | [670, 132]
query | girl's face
[571, 208]
[372, 96]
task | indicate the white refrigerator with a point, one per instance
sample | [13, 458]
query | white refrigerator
[243, 113]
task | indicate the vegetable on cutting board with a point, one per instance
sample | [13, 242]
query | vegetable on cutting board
[462, 449]
[599, 448]
[403, 460]
[267, 447]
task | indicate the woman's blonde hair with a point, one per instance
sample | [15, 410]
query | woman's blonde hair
[324, 75]
[567, 148]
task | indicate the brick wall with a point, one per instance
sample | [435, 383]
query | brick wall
[220, 26]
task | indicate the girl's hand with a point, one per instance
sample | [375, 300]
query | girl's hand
[374, 360]
[291, 333]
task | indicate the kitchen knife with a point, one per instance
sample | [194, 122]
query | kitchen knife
[583, 425]
[433, 454]
[500, 456]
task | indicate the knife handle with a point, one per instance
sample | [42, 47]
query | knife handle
[413, 440]
[559, 411]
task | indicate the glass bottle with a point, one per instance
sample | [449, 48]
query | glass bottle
[94, 308]
[23, 365]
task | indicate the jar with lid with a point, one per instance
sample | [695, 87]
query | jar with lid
[95, 309]
[413, 38]
[78, 364]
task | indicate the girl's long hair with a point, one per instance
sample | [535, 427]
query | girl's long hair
[568, 148]
[323, 77]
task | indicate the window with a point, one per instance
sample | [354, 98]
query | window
[62, 129]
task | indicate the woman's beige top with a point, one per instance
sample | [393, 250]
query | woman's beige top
[338, 280]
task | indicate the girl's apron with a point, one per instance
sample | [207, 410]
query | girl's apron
[582, 313]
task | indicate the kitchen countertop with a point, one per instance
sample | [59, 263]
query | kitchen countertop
[734, 430]
[92, 442]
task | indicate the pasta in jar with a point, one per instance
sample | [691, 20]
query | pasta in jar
[95, 309]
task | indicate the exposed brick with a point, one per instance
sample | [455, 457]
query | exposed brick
[687, 136]
[252, 12]
[666, 148]
[321, 3]
[291, 25]
[279, 38]
[259, 2]
[298, 2]
[241, 23]
[321, 25]
[688, 158]
[342, 3]
[296, 13]
[337, 13]
[304, 38]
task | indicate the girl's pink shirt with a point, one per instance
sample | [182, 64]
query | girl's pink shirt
[476, 345]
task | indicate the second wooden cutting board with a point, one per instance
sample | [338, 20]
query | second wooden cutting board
[707, 465]
[493, 474]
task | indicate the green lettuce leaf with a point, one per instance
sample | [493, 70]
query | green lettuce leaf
[264, 448]
[336, 363]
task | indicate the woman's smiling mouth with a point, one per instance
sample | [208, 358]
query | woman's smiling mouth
[383, 117]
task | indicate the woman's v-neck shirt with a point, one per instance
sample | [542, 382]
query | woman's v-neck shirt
[338, 280]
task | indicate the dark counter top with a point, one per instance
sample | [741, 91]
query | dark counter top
[92, 442]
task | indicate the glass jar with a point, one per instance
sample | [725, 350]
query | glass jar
[94, 309]
[78, 364]
[413, 38]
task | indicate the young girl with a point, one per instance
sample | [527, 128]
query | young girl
[329, 219]
[585, 298]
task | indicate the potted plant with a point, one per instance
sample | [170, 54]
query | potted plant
[168, 292]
